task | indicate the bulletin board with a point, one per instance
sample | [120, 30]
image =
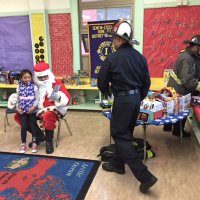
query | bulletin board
[15, 43]
[61, 44]
[165, 29]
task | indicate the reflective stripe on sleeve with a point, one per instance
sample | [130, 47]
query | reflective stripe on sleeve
[173, 75]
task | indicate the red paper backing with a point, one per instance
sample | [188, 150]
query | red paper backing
[165, 29]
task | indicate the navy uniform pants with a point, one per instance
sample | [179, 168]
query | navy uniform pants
[124, 115]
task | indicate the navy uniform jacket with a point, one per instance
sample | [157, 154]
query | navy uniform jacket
[126, 69]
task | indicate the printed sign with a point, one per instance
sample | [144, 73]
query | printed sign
[100, 44]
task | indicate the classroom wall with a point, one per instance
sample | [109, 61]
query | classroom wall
[17, 6]
[57, 4]
[41, 8]
[168, 3]
[157, 1]
[10, 6]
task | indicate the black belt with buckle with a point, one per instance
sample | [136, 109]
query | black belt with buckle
[125, 93]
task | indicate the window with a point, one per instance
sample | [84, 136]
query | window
[105, 14]
[84, 45]
[100, 10]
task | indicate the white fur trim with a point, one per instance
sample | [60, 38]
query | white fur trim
[61, 110]
[12, 100]
[63, 101]
[43, 73]
[50, 108]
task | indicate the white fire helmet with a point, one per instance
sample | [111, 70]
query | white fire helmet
[123, 29]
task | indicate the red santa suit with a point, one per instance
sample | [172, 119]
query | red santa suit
[50, 109]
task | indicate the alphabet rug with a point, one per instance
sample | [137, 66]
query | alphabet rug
[41, 177]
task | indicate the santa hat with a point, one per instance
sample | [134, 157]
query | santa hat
[42, 69]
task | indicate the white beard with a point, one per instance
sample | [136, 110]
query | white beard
[45, 88]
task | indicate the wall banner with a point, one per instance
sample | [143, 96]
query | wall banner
[100, 44]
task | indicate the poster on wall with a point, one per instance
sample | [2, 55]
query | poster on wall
[165, 29]
[100, 45]
[15, 43]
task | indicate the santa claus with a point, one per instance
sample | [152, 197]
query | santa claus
[53, 101]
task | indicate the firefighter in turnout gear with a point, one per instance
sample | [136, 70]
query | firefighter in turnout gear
[185, 77]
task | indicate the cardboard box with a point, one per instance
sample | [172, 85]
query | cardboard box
[184, 102]
[150, 110]
[145, 115]
[151, 105]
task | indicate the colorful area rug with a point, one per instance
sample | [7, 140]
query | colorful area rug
[37, 177]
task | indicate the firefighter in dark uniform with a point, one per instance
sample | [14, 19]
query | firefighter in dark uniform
[127, 72]
[185, 78]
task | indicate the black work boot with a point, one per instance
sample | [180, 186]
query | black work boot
[167, 127]
[145, 186]
[41, 137]
[177, 128]
[49, 141]
[110, 168]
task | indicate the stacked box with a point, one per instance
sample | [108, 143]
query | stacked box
[151, 110]
[146, 115]
[184, 102]
[170, 107]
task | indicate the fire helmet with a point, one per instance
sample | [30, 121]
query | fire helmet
[195, 40]
[123, 29]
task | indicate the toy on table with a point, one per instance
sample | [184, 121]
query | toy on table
[195, 101]
[159, 104]
[14, 77]
[150, 110]
[4, 76]
[181, 102]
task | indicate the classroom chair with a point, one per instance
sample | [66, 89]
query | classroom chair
[7, 112]
[60, 119]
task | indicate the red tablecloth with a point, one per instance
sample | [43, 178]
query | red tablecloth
[197, 112]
